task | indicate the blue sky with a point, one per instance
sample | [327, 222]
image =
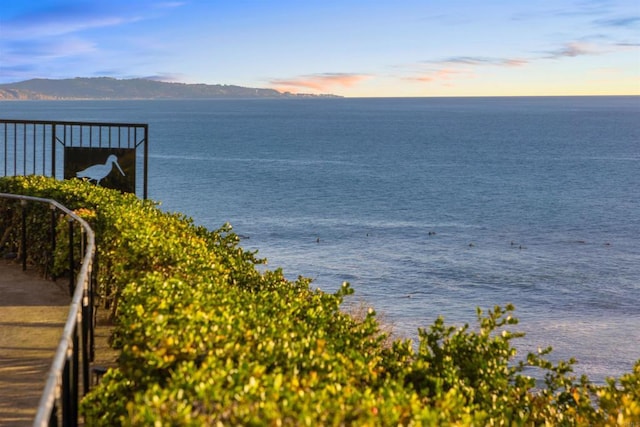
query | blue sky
[353, 48]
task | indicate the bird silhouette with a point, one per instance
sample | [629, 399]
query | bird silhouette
[100, 171]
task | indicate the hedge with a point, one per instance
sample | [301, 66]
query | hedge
[207, 338]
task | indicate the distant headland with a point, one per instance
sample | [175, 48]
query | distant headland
[106, 88]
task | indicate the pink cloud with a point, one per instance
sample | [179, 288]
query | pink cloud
[442, 75]
[515, 62]
[318, 82]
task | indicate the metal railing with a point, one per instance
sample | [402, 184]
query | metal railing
[37, 147]
[62, 389]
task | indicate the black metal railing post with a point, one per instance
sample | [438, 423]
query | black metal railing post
[53, 419]
[52, 261]
[66, 392]
[71, 263]
[53, 150]
[93, 281]
[75, 375]
[23, 246]
[85, 346]
[145, 160]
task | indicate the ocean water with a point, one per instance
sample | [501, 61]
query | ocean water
[427, 207]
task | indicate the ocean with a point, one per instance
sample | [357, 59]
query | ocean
[426, 206]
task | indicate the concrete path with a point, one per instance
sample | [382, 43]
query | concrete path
[32, 316]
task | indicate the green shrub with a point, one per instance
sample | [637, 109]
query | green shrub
[207, 339]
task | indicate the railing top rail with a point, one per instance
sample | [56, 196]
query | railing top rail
[72, 123]
[54, 378]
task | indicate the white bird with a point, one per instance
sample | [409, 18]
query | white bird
[100, 171]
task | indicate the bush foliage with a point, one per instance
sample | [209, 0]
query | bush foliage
[205, 338]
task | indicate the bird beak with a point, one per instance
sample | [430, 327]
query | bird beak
[119, 168]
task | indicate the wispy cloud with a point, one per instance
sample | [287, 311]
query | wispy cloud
[26, 51]
[448, 70]
[586, 9]
[480, 61]
[170, 4]
[318, 82]
[61, 22]
[628, 44]
[572, 50]
[74, 16]
[628, 21]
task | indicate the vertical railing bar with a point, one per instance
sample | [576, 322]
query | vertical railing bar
[135, 147]
[86, 319]
[146, 160]
[82, 246]
[23, 248]
[93, 280]
[15, 146]
[15, 149]
[24, 149]
[75, 374]
[53, 418]
[66, 392]
[53, 150]
[34, 149]
[53, 242]
[64, 145]
[5, 149]
[44, 149]
[71, 266]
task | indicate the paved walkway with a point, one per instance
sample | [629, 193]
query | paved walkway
[32, 316]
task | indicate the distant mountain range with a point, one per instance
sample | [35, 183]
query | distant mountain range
[110, 88]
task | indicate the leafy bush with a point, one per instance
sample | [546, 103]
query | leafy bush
[207, 339]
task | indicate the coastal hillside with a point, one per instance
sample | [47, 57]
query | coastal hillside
[110, 88]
